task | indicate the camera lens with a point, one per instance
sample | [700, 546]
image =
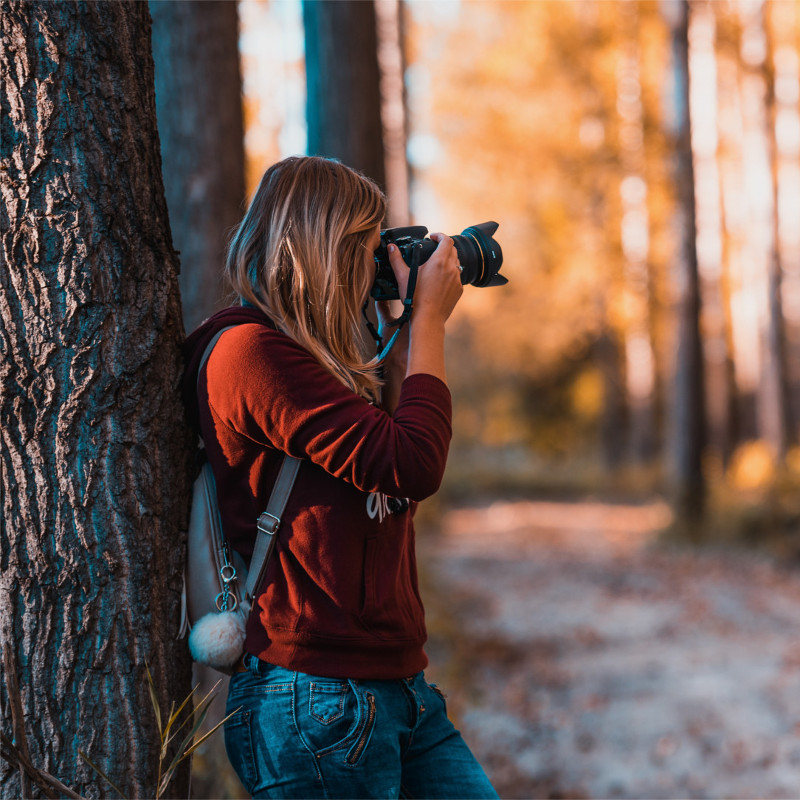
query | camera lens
[480, 255]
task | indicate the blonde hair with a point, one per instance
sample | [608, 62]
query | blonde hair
[300, 255]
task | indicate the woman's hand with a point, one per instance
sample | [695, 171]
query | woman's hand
[438, 283]
[438, 287]
[437, 291]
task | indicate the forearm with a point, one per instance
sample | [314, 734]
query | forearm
[426, 348]
[394, 372]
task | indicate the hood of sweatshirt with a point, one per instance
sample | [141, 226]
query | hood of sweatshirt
[196, 343]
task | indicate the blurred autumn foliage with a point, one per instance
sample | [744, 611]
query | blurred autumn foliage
[562, 122]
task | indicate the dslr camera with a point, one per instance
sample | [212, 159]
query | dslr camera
[479, 254]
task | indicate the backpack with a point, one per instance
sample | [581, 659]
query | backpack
[218, 586]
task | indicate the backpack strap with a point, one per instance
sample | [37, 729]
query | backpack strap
[268, 524]
[270, 519]
[207, 353]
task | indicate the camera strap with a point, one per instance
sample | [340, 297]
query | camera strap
[408, 307]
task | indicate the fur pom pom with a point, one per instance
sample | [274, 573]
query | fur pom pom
[217, 639]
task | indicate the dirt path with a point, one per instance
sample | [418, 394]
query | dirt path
[590, 663]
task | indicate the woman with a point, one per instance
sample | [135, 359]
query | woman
[330, 699]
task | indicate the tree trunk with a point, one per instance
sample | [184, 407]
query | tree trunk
[640, 372]
[390, 30]
[343, 79]
[94, 457]
[762, 253]
[783, 32]
[741, 296]
[704, 116]
[199, 104]
[688, 429]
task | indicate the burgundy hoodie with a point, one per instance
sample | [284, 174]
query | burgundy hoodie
[340, 595]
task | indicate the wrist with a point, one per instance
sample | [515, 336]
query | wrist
[426, 324]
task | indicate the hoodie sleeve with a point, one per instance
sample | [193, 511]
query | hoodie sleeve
[264, 386]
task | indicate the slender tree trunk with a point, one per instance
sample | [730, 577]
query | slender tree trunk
[613, 423]
[390, 28]
[93, 451]
[740, 293]
[199, 103]
[640, 368]
[762, 253]
[688, 429]
[784, 32]
[704, 139]
[343, 79]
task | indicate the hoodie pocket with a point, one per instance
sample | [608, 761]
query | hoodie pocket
[392, 608]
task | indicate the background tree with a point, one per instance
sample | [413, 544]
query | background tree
[94, 461]
[704, 111]
[392, 64]
[688, 409]
[343, 98]
[199, 104]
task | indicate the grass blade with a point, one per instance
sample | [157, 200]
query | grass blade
[203, 704]
[174, 716]
[154, 700]
[213, 730]
[185, 744]
[101, 774]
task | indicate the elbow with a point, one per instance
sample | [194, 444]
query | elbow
[418, 481]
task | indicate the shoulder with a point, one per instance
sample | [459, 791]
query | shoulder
[260, 363]
[257, 347]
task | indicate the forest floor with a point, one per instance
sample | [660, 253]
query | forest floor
[586, 660]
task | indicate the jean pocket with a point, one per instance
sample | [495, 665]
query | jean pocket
[326, 701]
[239, 747]
[339, 718]
[363, 731]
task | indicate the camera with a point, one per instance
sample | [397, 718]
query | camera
[479, 255]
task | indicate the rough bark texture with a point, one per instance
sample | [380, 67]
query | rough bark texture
[343, 79]
[688, 428]
[199, 104]
[94, 457]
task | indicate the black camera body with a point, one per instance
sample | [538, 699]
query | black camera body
[479, 255]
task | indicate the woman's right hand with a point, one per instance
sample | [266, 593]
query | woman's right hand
[437, 291]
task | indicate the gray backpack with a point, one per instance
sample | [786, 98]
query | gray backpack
[218, 586]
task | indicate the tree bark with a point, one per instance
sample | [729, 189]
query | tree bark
[343, 80]
[688, 429]
[94, 453]
[199, 104]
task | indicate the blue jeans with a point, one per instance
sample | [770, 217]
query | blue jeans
[299, 736]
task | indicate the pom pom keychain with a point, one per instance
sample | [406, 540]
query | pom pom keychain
[217, 639]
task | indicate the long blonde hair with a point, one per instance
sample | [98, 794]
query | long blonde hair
[300, 255]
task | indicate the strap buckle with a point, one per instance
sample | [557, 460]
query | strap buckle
[268, 523]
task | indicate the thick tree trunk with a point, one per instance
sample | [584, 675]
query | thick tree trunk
[343, 79]
[94, 458]
[688, 435]
[199, 103]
